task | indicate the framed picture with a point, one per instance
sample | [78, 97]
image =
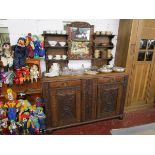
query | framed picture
[79, 48]
[80, 34]
[80, 40]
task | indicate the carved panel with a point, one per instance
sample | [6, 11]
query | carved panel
[107, 99]
[66, 102]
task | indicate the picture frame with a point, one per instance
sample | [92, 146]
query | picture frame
[80, 40]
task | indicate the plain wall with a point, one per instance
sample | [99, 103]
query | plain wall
[20, 27]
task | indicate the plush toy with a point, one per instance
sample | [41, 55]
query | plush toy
[7, 56]
[12, 105]
[41, 119]
[20, 53]
[34, 73]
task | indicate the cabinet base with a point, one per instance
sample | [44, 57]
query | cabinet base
[51, 130]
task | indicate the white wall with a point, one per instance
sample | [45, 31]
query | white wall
[18, 28]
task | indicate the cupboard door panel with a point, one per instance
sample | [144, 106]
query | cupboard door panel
[109, 100]
[66, 104]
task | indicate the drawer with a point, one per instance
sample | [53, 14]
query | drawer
[106, 80]
[65, 83]
[119, 78]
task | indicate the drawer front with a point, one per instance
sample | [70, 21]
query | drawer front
[106, 80]
[65, 84]
[110, 79]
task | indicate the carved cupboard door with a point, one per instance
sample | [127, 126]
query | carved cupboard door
[65, 105]
[109, 99]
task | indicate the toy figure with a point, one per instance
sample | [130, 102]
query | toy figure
[19, 78]
[30, 46]
[2, 111]
[20, 128]
[36, 46]
[20, 53]
[39, 102]
[26, 73]
[4, 126]
[34, 73]
[33, 125]
[12, 105]
[9, 78]
[41, 119]
[25, 106]
[7, 57]
[42, 50]
[24, 120]
[13, 128]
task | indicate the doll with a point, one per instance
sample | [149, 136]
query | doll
[42, 50]
[4, 126]
[36, 46]
[26, 73]
[41, 119]
[12, 105]
[30, 46]
[20, 53]
[2, 111]
[34, 73]
[7, 57]
[39, 102]
[24, 121]
[9, 78]
[33, 125]
[13, 128]
[19, 78]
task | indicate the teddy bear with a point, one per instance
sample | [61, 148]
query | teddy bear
[7, 56]
[20, 53]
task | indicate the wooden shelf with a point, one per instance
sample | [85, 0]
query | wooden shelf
[56, 47]
[55, 34]
[27, 88]
[101, 58]
[57, 60]
[107, 46]
[104, 35]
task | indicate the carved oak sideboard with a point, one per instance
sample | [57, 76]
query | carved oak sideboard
[76, 100]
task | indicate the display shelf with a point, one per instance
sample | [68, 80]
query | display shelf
[104, 35]
[55, 34]
[106, 46]
[55, 47]
[27, 88]
[56, 60]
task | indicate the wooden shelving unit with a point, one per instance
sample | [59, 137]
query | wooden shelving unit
[55, 50]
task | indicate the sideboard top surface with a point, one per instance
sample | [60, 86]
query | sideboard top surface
[75, 77]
